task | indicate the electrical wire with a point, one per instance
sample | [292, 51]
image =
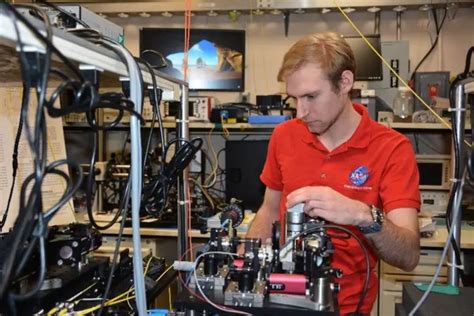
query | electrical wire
[170, 305]
[456, 215]
[124, 208]
[198, 286]
[204, 192]
[120, 297]
[211, 180]
[31, 217]
[438, 31]
[359, 241]
[187, 36]
[155, 192]
[387, 64]
[14, 161]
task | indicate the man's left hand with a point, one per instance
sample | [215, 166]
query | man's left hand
[330, 205]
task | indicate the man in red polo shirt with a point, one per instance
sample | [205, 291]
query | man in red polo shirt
[344, 167]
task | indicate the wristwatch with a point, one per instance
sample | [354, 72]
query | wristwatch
[376, 226]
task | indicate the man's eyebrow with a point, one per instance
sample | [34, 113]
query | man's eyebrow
[312, 93]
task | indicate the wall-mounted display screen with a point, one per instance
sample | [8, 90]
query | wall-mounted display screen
[216, 58]
[368, 64]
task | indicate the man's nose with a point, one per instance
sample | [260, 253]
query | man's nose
[301, 109]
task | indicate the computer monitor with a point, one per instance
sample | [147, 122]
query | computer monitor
[368, 64]
[244, 160]
[216, 58]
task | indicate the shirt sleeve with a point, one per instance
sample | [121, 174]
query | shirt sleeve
[399, 186]
[271, 173]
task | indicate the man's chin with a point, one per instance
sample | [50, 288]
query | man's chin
[318, 129]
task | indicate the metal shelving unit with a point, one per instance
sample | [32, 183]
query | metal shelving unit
[86, 54]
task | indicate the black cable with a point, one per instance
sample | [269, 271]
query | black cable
[155, 192]
[438, 31]
[89, 197]
[155, 100]
[361, 244]
[40, 234]
[26, 214]
[124, 210]
[458, 174]
[48, 43]
[164, 63]
[14, 162]
[31, 217]
[467, 65]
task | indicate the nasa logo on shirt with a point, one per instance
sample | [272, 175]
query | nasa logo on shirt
[359, 175]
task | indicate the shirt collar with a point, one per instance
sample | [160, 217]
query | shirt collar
[360, 138]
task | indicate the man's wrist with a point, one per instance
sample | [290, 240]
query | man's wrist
[365, 218]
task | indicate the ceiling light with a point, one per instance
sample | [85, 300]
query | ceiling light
[425, 7]
[452, 6]
[102, 15]
[348, 10]
[167, 14]
[275, 12]
[258, 12]
[144, 14]
[123, 15]
[373, 9]
[325, 10]
[212, 13]
[299, 11]
[399, 8]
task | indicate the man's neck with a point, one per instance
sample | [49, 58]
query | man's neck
[342, 129]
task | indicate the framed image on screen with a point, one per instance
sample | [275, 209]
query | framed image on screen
[368, 64]
[216, 58]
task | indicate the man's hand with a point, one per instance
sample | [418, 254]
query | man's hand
[331, 205]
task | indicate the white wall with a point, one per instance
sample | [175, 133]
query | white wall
[266, 42]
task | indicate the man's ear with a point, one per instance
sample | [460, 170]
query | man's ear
[346, 82]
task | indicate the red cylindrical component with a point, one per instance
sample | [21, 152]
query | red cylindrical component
[239, 263]
[287, 283]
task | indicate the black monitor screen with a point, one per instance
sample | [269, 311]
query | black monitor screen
[216, 58]
[368, 64]
[244, 160]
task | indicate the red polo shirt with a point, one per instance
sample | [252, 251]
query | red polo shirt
[376, 165]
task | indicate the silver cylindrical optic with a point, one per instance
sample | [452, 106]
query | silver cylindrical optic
[294, 220]
[322, 293]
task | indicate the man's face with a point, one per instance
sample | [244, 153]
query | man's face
[317, 104]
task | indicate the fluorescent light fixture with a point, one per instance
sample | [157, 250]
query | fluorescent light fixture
[275, 11]
[258, 12]
[348, 10]
[212, 13]
[144, 14]
[399, 8]
[299, 11]
[373, 9]
[167, 14]
[325, 10]
[452, 6]
[425, 7]
[123, 15]
[102, 15]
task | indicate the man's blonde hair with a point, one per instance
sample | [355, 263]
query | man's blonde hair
[328, 50]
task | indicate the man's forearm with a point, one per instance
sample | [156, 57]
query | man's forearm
[261, 226]
[397, 246]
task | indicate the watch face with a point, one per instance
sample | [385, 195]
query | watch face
[377, 215]
[376, 226]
